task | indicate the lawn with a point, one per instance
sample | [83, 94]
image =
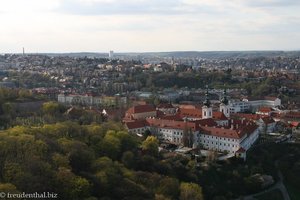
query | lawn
[272, 195]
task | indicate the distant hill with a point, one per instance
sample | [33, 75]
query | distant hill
[188, 54]
[79, 54]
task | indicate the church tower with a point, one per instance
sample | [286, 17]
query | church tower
[224, 106]
[206, 108]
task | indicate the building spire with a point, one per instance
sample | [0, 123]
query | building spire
[207, 101]
[224, 99]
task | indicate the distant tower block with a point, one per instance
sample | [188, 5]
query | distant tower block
[111, 54]
[23, 51]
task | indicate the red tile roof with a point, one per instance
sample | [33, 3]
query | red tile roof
[160, 114]
[295, 124]
[205, 122]
[293, 115]
[143, 108]
[265, 109]
[188, 106]
[246, 116]
[221, 132]
[140, 109]
[271, 98]
[136, 124]
[172, 117]
[219, 116]
[236, 129]
[193, 113]
[163, 123]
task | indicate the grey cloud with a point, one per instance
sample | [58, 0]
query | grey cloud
[271, 3]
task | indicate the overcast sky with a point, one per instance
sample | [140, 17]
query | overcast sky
[148, 25]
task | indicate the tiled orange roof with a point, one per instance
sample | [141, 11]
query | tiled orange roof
[172, 117]
[221, 132]
[293, 115]
[235, 129]
[163, 123]
[265, 109]
[187, 112]
[271, 98]
[246, 116]
[143, 108]
[206, 122]
[135, 124]
[140, 109]
[219, 116]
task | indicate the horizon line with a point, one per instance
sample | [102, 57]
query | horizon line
[142, 52]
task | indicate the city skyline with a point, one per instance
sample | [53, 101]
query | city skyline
[148, 26]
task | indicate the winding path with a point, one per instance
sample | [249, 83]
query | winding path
[279, 185]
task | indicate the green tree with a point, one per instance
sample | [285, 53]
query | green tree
[52, 108]
[111, 145]
[150, 145]
[8, 187]
[81, 158]
[60, 160]
[128, 159]
[72, 186]
[9, 109]
[190, 191]
[169, 187]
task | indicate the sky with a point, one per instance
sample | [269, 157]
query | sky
[148, 25]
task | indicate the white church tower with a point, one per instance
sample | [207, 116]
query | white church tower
[224, 106]
[206, 108]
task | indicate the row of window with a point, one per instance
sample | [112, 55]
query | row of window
[219, 138]
[138, 130]
[221, 144]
